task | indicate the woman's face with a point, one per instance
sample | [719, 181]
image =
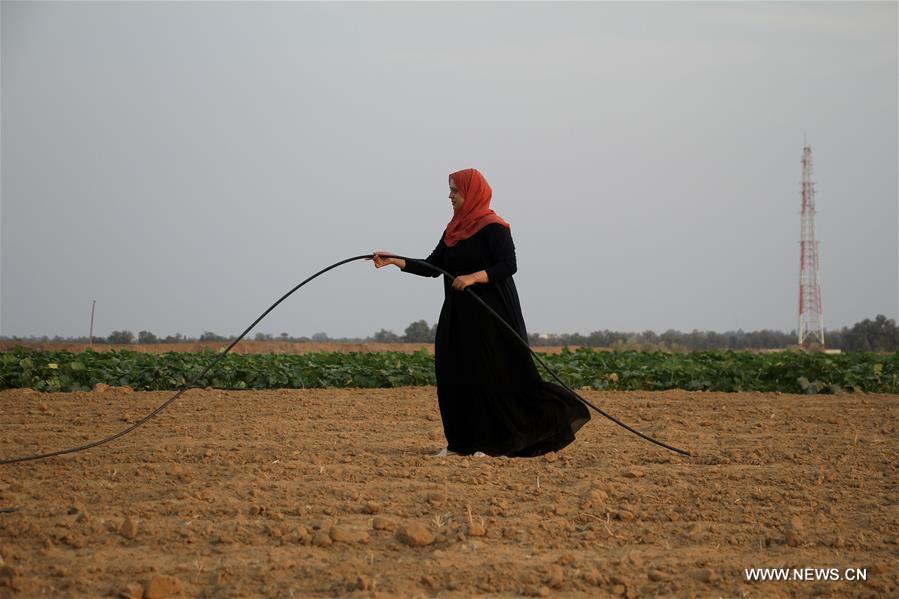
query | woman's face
[455, 197]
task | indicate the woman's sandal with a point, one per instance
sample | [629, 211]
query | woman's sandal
[445, 452]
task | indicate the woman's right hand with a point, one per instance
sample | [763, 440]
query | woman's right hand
[382, 258]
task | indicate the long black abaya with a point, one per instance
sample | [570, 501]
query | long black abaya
[491, 396]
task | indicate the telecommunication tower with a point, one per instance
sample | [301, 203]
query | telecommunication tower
[811, 313]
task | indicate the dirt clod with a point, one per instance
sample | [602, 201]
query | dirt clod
[132, 591]
[161, 587]
[345, 534]
[657, 575]
[415, 534]
[303, 535]
[128, 528]
[634, 472]
[371, 508]
[555, 577]
[706, 575]
[10, 577]
[381, 523]
[624, 515]
[794, 531]
[595, 496]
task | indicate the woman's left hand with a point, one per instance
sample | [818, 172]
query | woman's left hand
[463, 281]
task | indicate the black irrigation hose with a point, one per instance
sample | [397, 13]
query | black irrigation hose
[218, 358]
[184, 387]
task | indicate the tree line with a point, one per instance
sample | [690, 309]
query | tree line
[878, 335]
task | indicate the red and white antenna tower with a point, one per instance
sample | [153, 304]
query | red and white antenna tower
[811, 313]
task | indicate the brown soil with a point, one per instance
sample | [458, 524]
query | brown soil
[248, 347]
[308, 493]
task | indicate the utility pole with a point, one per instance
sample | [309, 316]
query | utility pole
[93, 303]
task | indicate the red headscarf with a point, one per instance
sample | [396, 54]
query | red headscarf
[475, 213]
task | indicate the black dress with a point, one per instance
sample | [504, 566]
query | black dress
[491, 396]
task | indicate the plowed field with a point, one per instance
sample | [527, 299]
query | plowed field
[332, 492]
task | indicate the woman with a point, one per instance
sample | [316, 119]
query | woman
[491, 396]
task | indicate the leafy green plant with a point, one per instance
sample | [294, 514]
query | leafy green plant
[789, 372]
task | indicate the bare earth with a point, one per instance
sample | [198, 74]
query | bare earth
[252, 347]
[244, 347]
[323, 493]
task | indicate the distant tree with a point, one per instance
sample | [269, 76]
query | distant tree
[385, 336]
[122, 337]
[835, 338]
[264, 337]
[418, 332]
[670, 338]
[176, 338]
[321, 338]
[210, 336]
[147, 337]
[284, 337]
[878, 335]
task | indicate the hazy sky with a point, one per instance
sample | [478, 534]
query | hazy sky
[185, 164]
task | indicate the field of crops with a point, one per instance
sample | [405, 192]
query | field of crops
[787, 372]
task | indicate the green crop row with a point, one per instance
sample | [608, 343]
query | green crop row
[789, 372]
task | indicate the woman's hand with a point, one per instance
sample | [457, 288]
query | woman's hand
[463, 281]
[382, 258]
